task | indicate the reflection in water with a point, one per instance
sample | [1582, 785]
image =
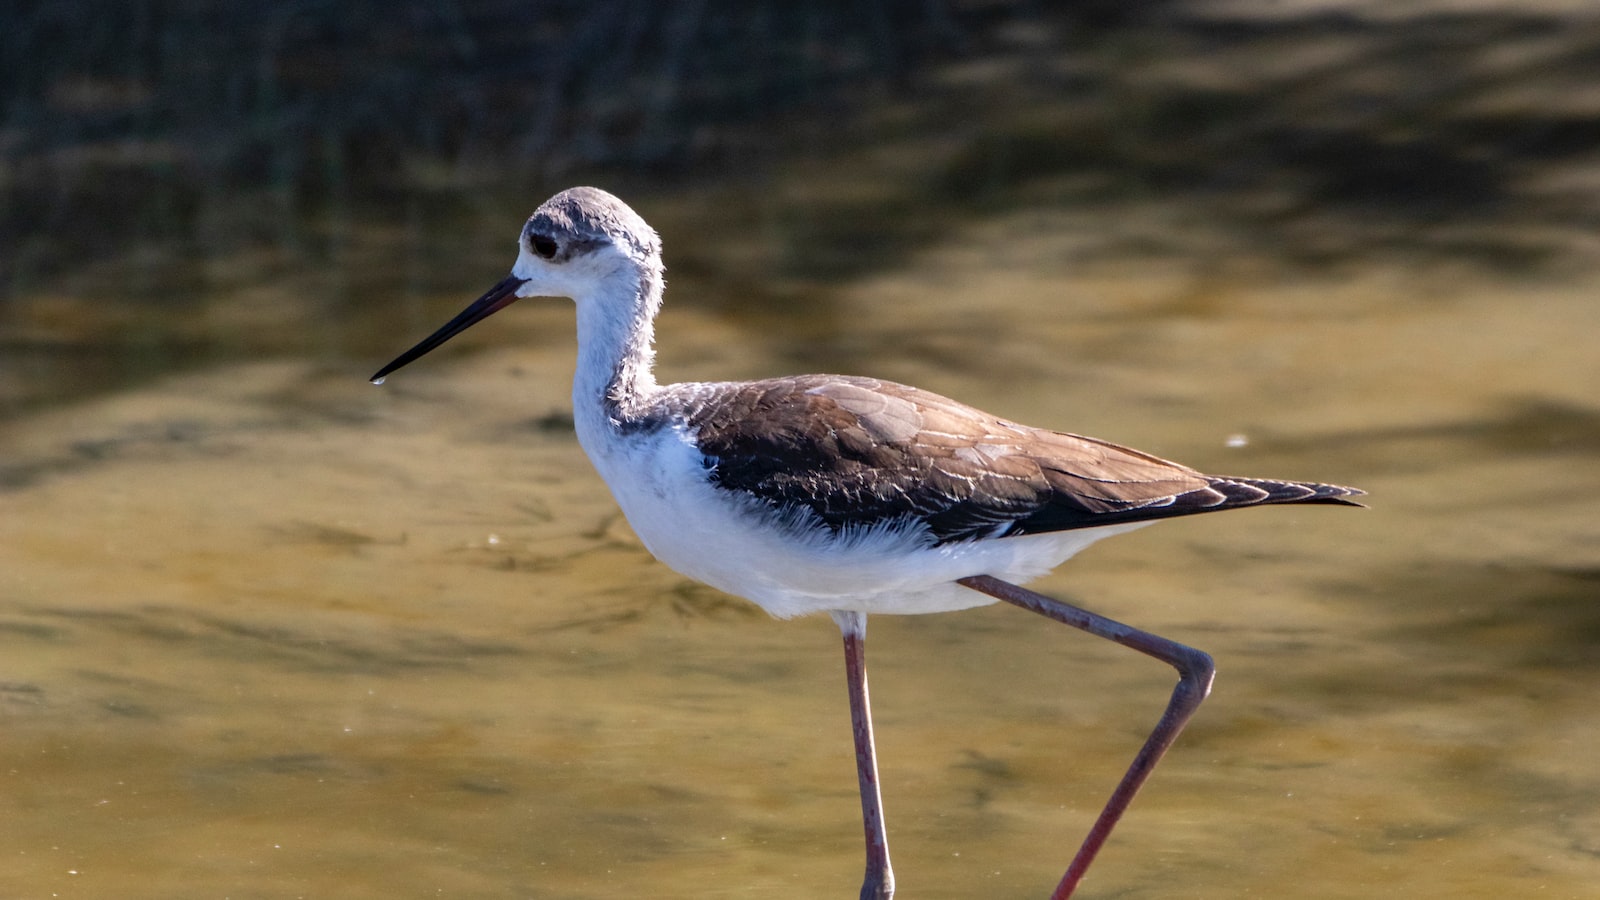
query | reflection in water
[268, 631]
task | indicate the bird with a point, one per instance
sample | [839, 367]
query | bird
[846, 495]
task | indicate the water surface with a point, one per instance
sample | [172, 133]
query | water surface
[271, 631]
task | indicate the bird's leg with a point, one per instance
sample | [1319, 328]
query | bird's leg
[1195, 671]
[879, 881]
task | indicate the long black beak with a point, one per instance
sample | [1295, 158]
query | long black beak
[498, 297]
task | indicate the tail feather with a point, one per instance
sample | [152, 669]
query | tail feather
[1261, 491]
[1218, 493]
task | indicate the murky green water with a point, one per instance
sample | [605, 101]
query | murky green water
[269, 631]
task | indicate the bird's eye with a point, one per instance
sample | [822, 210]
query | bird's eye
[545, 247]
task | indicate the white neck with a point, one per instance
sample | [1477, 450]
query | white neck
[616, 330]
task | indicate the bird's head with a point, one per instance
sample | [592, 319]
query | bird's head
[583, 243]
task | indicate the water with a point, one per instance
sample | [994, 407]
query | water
[267, 631]
[271, 632]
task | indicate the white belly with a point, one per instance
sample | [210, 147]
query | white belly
[789, 569]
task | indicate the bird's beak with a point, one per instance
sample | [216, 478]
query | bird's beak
[497, 298]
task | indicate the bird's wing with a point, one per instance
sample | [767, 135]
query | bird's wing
[860, 452]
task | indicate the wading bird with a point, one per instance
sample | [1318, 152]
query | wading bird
[845, 495]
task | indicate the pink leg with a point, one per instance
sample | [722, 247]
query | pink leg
[879, 881]
[1195, 671]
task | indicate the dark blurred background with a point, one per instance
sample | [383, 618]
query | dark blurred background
[306, 163]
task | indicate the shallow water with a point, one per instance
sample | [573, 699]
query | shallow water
[270, 631]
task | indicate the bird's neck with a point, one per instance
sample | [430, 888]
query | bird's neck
[616, 356]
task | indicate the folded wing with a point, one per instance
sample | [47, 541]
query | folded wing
[860, 452]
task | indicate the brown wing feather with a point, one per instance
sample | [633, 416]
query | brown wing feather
[859, 452]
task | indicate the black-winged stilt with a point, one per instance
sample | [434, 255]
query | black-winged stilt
[845, 495]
